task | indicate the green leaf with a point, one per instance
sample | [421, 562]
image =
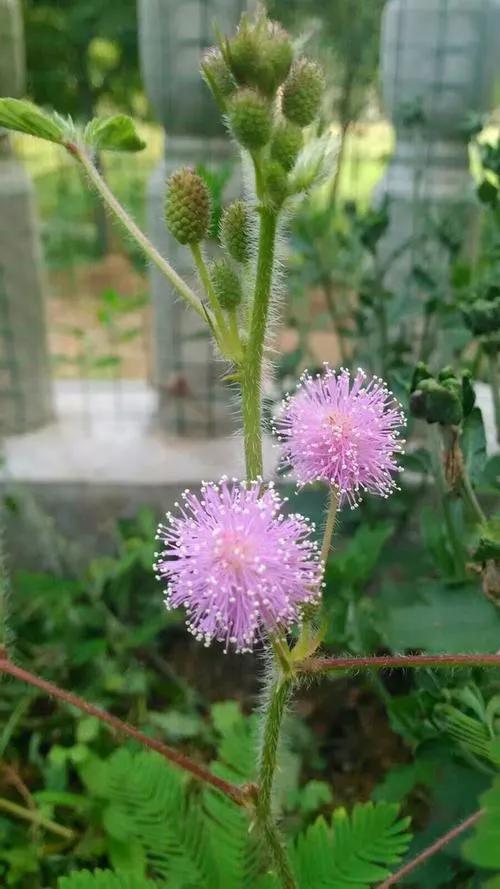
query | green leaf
[355, 851]
[103, 879]
[116, 133]
[438, 617]
[24, 117]
[483, 848]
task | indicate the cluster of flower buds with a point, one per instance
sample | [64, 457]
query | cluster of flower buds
[482, 314]
[445, 399]
[267, 96]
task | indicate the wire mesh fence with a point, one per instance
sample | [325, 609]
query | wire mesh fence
[97, 294]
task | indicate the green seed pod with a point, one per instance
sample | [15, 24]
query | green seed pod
[234, 231]
[302, 92]
[217, 75]
[187, 206]
[250, 119]
[286, 143]
[276, 182]
[226, 284]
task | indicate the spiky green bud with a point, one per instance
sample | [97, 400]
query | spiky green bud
[244, 56]
[217, 75]
[286, 143]
[226, 284]
[187, 206]
[234, 231]
[259, 55]
[438, 402]
[250, 118]
[276, 183]
[302, 92]
[483, 316]
[278, 52]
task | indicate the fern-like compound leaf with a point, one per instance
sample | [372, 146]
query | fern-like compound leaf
[148, 804]
[355, 851]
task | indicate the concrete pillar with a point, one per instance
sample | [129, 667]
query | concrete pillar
[25, 392]
[439, 66]
[173, 37]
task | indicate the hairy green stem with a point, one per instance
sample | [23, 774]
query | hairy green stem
[333, 506]
[36, 818]
[134, 231]
[495, 388]
[207, 284]
[275, 711]
[251, 373]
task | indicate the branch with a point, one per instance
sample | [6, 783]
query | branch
[134, 231]
[431, 850]
[239, 795]
[397, 662]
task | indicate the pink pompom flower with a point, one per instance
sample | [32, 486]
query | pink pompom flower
[237, 564]
[342, 431]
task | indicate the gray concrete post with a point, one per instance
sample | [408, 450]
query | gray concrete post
[25, 390]
[173, 37]
[439, 64]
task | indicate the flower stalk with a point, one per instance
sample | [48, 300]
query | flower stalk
[275, 710]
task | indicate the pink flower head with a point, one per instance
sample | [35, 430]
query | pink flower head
[342, 431]
[237, 564]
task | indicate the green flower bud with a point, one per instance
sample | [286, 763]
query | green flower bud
[276, 183]
[437, 403]
[244, 56]
[483, 316]
[302, 92]
[420, 373]
[217, 75]
[286, 143]
[278, 51]
[250, 119]
[226, 284]
[234, 231]
[260, 55]
[187, 206]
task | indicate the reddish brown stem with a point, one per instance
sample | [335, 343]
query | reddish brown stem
[237, 794]
[431, 850]
[398, 661]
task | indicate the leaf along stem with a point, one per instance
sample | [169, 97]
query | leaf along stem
[134, 231]
[237, 794]
[431, 850]
[397, 662]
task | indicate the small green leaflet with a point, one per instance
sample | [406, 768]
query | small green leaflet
[24, 117]
[116, 133]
